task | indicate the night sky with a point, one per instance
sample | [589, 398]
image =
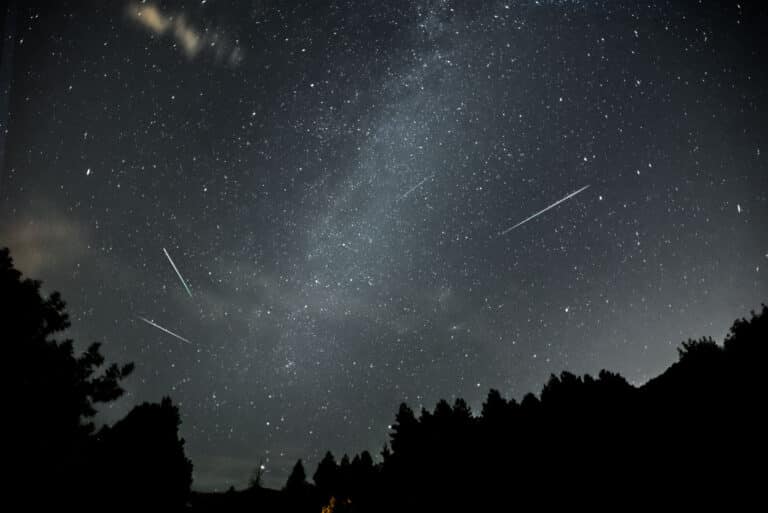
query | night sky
[335, 183]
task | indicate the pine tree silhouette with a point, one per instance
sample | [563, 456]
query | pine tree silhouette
[51, 393]
[58, 460]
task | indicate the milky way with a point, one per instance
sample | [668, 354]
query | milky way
[333, 177]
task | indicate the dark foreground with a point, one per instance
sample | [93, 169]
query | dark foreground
[694, 434]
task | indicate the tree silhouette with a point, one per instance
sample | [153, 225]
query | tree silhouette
[299, 493]
[58, 460]
[51, 393]
[581, 438]
[326, 477]
[297, 481]
[151, 466]
[255, 481]
[697, 428]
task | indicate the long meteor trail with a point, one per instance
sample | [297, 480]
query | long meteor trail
[163, 329]
[177, 272]
[537, 214]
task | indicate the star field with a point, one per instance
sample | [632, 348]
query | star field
[333, 182]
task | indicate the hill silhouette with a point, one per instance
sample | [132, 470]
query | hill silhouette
[696, 433]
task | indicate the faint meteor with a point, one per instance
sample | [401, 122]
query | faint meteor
[553, 205]
[177, 272]
[415, 187]
[163, 329]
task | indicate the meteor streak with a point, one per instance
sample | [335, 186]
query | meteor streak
[163, 329]
[177, 272]
[415, 187]
[553, 205]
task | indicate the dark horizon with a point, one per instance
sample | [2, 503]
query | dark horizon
[700, 421]
[292, 217]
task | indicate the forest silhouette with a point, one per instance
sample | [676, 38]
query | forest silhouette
[697, 430]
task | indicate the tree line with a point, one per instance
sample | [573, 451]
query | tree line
[696, 430]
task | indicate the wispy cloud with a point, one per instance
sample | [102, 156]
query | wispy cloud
[192, 40]
[45, 243]
[151, 17]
